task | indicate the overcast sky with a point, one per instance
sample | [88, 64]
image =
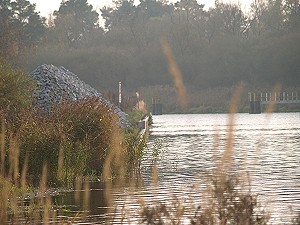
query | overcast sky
[48, 6]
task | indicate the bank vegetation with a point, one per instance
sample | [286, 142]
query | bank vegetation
[216, 48]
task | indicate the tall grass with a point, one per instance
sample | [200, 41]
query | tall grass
[82, 140]
[226, 200]
[74, 142]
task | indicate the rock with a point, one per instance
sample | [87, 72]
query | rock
[56, 84]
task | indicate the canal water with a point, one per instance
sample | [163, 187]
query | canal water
[185, 149]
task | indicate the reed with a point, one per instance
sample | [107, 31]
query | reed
[81, 139]
[175, 72]
[226, 199]
[229, 201]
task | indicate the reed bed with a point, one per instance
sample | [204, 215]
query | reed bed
[81, 141]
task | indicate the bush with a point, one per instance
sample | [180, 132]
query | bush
[78, 134]
[87, 124]
[15, 92]
[39, 140]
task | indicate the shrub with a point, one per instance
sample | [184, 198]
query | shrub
[87, 124]
[40, 140]
[75, 134]
[15, 92]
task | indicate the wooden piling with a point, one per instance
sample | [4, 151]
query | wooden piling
[156, 106]
[255, 107]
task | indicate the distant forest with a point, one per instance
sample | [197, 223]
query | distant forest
[215, 49]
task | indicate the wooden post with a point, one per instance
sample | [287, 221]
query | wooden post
[156, 106]
[255, 107]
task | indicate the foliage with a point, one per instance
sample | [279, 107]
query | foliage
[79, 132]
[20, 27]
[75, 19]
[15, 92]
[215, 47]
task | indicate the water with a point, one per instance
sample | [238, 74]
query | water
[267, 147]
[186, 148]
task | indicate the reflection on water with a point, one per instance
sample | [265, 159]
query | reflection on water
[185, 148]
[267, 147]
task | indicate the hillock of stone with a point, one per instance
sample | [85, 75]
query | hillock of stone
[55, 84]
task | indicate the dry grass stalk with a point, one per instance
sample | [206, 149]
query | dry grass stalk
[78, 186]
[47, 208]
[155, 175]
[5, 188]
[43, 183]
[115, 161]
[14, 154]
[24, 172]
[271, 106]
[60, 166]
[107, 176]
[227, 157]
[2, 139]
[175, 72]
[87, 195]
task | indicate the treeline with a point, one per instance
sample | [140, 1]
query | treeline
[217, 47]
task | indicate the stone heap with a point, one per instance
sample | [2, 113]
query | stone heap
[56, 84]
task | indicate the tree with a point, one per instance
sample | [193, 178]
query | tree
[7, 32]
[230, 19]
[20, 27]
[152, 8]
[75, 19]
[291, 10]
[33, 26]
[258, 10]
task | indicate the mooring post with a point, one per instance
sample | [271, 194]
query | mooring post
[255, 107]
[156, 106]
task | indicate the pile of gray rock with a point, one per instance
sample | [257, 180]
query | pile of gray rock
[55, 84]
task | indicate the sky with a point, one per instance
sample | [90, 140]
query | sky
[45, 7]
